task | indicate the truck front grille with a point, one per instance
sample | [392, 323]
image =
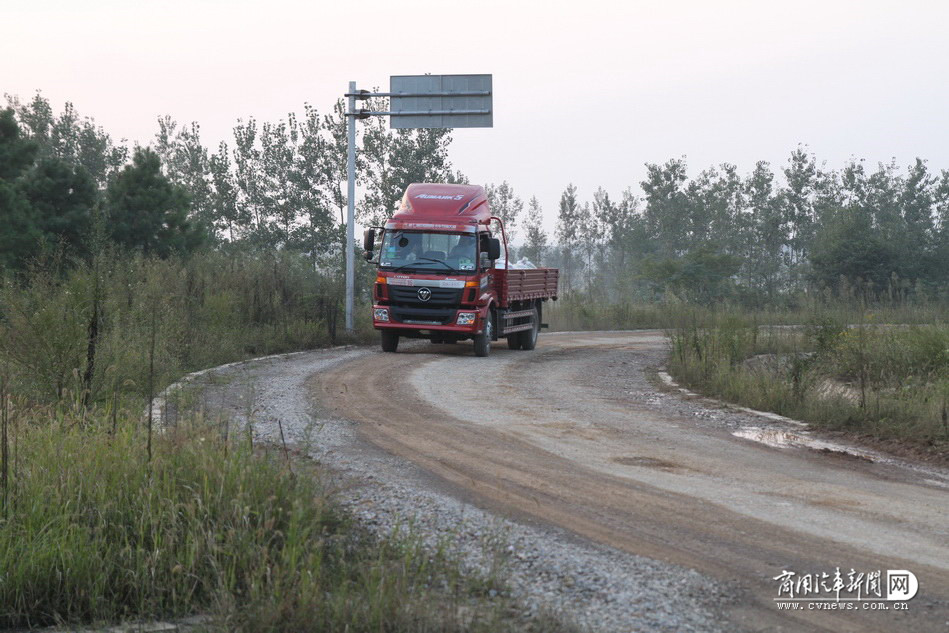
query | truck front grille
[439, 296]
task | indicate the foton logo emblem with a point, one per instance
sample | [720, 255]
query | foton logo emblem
[424, 294]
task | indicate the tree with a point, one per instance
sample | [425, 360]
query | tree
[227, 214]
[148, 212]
[61, 198]
[597, 234]
[569, 220]
[316, 176]
[49, 201]
[702, 275]
[941, 241]
[850, 250]
[185, 162]
[766, 240]
[798, 202]
[715, 204]
[916, 239]
[667, 207]
[16, 152]
[535, 245]
[19, 233]
[506, 205]
[623, 237]
[75, 140]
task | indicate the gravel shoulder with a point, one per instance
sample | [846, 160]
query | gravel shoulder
[621, 504]
[548, 568]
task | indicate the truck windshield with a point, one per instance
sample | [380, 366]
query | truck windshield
[428, 252]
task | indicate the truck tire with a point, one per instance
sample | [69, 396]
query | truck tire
[514, 341]
[529, 337]
[390, 341]
[482, 342]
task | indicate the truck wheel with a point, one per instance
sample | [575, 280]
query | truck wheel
[529, 337]
[482, 342]
[390, 341]
[514, 341]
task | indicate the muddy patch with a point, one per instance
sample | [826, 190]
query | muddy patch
[647, 462]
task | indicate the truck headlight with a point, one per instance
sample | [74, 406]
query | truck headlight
[466, 318]
[381, 314]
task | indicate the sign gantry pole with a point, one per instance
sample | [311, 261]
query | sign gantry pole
[415, 102]
[351, 206]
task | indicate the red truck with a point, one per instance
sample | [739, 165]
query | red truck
[437, 277]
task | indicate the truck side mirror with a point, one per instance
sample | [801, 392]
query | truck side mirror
[494, 248]
[368, 240]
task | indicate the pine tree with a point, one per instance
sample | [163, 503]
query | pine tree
[19, 232]
[148, 212]
[61, 198]
[16, 152]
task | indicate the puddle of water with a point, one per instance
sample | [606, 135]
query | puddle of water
[789, 439]
[779, 438]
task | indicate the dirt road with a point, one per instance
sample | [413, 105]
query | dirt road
[578, 434]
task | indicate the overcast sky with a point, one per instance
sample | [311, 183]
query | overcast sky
[585, 91]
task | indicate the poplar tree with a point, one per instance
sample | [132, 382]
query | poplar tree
[535, 246]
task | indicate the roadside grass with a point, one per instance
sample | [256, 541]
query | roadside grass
[95, 528]
[92, 531]
[849, 374]
[87, 327]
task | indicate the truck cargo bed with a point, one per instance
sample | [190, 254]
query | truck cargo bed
[523, 284]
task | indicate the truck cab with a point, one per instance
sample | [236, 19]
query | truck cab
[437, 276]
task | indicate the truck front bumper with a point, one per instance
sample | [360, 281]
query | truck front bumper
[466, 322]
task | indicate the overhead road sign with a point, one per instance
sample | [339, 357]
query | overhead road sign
[438, 101]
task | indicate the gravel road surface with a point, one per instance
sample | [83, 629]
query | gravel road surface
[623, 504]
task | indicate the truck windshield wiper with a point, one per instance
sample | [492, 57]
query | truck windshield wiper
[423, 259]
[437, 261]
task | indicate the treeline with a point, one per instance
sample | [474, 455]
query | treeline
[878, 234]
[768, 237]
[215, 256]
[51, 200]
[277, 185]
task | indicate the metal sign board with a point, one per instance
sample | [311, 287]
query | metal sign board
[438, 101]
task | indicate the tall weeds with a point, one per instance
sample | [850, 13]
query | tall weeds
[886, 381]
[94, 532]
[87, 328]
